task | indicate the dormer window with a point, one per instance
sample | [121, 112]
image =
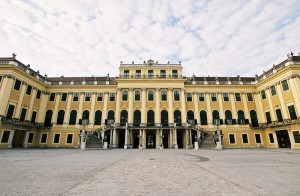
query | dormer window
[162, 73]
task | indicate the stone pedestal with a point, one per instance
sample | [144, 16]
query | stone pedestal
[219, 146]
[105, 145]
[196, 145]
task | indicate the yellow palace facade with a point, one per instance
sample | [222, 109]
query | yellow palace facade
[149, 105]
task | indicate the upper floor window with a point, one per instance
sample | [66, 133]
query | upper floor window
[174, 74]
[38, 94]
[28, 90]
[292, 112]
[10, 111]
[250, 97]
[64, 97]
[126, 73]
[163, 73]
[176, 96]
[100, 97]
[237, 96]
[285, 85]
[138, 73]
[189, 97]
[75, 96]
[150, 74]
[225, 96]
[150, 95]
[52, 97]
[87, 96]
[111, 96]
[124, 95]
[201, 96]
[17, 85]
[273, 90]
[263, 94]
[137, 96]
[213, 97]
[164, 95]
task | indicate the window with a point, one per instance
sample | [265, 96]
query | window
[28, 90]
[174, 74]
[285, 85]
[73, 116]
[273, 90]
[10, 111]
[163, 73]
[237, 96]
[189, 97]
[64, 97]
[203, 117]
[271, 138]
[231, 139]
[213, 97]
[60, 117]
[296, 136]
[5, 136]
[56, 138]
[201, 96]
[257, 138]
[150, 95]
[245, 138]
[98, 116]
[75, 96]
[23, 114]
[69, 138]
[150, 74]
[111, 96]
[38, 94]
[87, 96]
[44, 138]
[48, 118]
[124, 95]
[292, 112]
[52, 97]
[176, 96]
[137, 96]
[268, 117]
[17, 85]
[30, 138]
[126, 73]
[138, 74]
[263, 94]
[100, 97]
[250, 97]
[33, 117]
[225, 97]
[279, 115]
[164, 95]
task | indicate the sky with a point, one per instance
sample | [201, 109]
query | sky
[91, 38]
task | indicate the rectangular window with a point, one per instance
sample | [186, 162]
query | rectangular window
[33, 117]
[137, 96]
[38, 94]
[44, 138]
[124, 95]
[69, 138]
[271, 138]
[30, 138]
[268, 117]
[28, 90]
[245, 138]
[176, 96]
[100, 97]
[138, 73]
[237, 96]
[174, 74]
[201, 96]
[17, 85]
[250, 97]
[189, 97]
[225, 96]
[75, 96]
[285, 85]
[164, 95]
[23, 114]
[10, 111]
[87, 96]
[292, 112]
[296, 136]
[150, 74]
[231, 139]
[150, 95]
[257, 138]
[5, 136]
[263, 94]
[163, 73]
[213, 97]
[52, 97]
[273, 90]
[64, 97]
[111, 96]
[56, 138]
[279, 115]
[126, 73]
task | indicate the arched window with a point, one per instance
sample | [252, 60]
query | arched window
[241, 117]
[216, 117]
[48, 118]
[111, 115]
[137, 117]
[124, 117]
[150, 118]
[98, 116]
[164, 118]
[228, 116]
[85, 114]
[60, 117]
[253, 116]
[203, 117]
[177, 116]
[73, 116]
[190, 117]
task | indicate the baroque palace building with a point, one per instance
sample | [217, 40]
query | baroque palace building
[149, 105]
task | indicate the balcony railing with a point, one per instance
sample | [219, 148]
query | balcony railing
[154, 125]
[23, 125]
[151, 77]
[280, 123]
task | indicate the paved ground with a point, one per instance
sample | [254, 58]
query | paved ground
[149, 172]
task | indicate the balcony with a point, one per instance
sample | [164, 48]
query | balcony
[279, 123]
[151, 77]
[23, 125]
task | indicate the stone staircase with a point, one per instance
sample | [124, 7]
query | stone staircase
[94, 143]
[208, 142]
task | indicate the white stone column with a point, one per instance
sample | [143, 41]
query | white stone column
[175, 138]
[259, 108]
[209, 113]
[114, 138]
[92, 112]
[104, 110]
[111, 137]
[269, 98]
[20, 100]
[57, 100]
[30, 108]
[144, 99]
[186, 139]
[234, 112]
[67, 113]
[10, 139]
[196, 107]
[140, 138]
[130, 106]
[281, 100]
[126, 138]
[246, 109]
[190, 134]
[221, 112]
[157, 106]
[42, 107]
[295, 90]
[5, 90]
[118, 105]
[183, 107]
[144, 138]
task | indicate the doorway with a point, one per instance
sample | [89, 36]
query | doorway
[283, 139]
[165, 140]
[179, 139]
[136, 140]
[150, 139]
[121, 138]
[18, 139]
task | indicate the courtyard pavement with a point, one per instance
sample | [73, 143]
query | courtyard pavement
[149, 172]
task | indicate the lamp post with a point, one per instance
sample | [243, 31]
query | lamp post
[83, 136]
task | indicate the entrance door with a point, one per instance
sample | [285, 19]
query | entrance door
[179, 139]
[121, 138]
[283, 139]
[18, 139]
[136, 140]
[150, 139]
[165, 140]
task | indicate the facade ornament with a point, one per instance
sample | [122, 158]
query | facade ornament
[14, 55]
[24, 83]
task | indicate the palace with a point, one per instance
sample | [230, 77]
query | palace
[150, 105]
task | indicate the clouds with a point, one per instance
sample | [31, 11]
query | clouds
[83, 38]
